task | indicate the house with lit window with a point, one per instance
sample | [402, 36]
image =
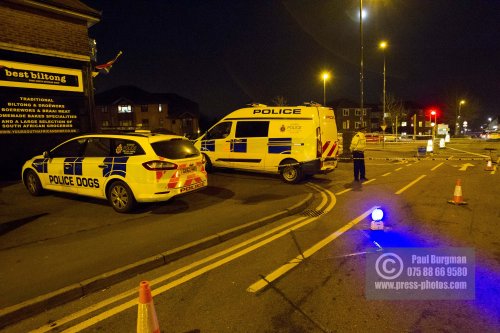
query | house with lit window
[348, 115]
[131, 108]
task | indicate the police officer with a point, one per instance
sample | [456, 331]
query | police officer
[358, 145]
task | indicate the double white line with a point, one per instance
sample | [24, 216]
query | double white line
[327, 203]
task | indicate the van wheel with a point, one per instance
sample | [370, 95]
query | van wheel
[120, 197]
[291, 172]
[32, 183]
[208, 164]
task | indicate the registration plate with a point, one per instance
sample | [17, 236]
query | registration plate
[188, 169]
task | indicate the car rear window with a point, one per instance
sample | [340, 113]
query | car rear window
[175, 149]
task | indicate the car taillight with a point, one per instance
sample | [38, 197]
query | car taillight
[159, 165]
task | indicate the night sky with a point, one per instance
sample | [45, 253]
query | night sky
[224, 54]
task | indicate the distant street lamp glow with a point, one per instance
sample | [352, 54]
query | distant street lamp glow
[383, 45]
[457, 123]
[325, 76]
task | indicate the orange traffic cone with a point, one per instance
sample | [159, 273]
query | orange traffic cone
[147, 322]
[489, 166]
[457, 195]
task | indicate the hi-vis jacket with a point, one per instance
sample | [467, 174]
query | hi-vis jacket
[358, 142]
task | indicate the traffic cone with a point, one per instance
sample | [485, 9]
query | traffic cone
[489, 165]
[147, 322]
[457, 195]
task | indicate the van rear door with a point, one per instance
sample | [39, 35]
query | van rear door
[328, 137]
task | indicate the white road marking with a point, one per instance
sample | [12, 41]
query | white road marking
[260, 284]
[468, 152]
[437, 166]
[274, 234]
[410, 184]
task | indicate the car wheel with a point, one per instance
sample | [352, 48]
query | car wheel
[291, 172]
[208, 164]
[32, 183]
[120, 197]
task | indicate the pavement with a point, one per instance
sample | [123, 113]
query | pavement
[15, 217]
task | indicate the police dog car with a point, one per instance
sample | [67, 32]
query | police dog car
[293, 141]
[122, 168]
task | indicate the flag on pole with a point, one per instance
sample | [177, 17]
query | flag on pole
[106, 67]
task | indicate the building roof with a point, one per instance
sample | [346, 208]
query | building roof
[70, 8]
[177, 105]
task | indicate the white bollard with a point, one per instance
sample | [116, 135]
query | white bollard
[430, 145]
[447, 138]
[441, 143]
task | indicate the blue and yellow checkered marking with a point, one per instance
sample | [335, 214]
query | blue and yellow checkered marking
[279, 146]
[73, 166]
[115, 166]
[208, 145]
[239, 145]
[40, 165]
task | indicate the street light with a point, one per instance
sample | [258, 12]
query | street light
[457, 123]
[383, 45]
[361, 70]
[325, 77]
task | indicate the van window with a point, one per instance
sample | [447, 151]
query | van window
[252, 129]
[220, 131]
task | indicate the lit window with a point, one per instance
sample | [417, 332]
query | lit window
[159, 107]
[105, 123]
[356, 124]
[124, 108]
[357, 113]
[345, 112]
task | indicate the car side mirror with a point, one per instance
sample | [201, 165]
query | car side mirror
[46, 154]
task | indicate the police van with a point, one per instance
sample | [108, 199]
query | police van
[293, 141]
[122, 168]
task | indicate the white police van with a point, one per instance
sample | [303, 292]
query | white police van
[293, 141]
[122, 168]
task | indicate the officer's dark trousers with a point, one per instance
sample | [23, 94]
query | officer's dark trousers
[359, 164]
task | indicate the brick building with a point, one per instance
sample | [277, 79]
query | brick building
[128, 108]
[46, 89]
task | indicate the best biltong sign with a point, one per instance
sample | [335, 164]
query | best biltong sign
[38, 114]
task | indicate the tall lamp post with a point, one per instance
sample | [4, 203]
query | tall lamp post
[361, 69]
[325, 77]
[457, 123]
[383, 45]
